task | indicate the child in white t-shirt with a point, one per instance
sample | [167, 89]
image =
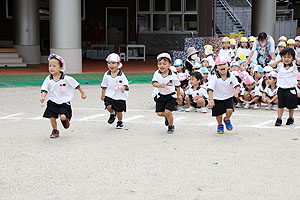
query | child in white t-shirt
[114, 90]
[287, 72]
[297, 47]
[244, 47]
[221, 88]
[270, 93]
[226, 51]
[60, 89]
[251, 93]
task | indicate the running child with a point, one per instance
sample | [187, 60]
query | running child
[196, 96]
[114, 90]
[60, 89]
[221, 89]
[287, 82]
[168, 85]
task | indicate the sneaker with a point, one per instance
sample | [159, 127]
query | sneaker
[269, 107]
[180, 109]
[54, 134]
[120, 125]
[257, 106]
[239, 105]
[289, 121]
[166, 121]
[191, 109]
[228, 124]
[112, 118]
[247, 106]
[65, 123]
[171, 129]
[275, 107]
[278, 122]
[220, 129]
[203, 110]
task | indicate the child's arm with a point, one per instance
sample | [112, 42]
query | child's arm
[237, 92]
[274, 98]
[254, 100]
[83, 96]
[275, 63]
[297, 61]
[103, 93]
[157, 85]
[211, 100]
[44, 93]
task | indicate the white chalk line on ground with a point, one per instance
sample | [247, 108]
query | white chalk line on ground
[133, 118]
[12, 115]
[263, 123]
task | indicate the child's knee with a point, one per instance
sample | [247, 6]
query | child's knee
[63, 117]
[161, 114]
[168, 112]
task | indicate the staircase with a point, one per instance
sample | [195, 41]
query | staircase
[228, 20]
[9, 57]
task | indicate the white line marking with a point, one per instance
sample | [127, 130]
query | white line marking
[178, 118]
[91, 117]
[36, 118]
[132, 118]
[264, 123]
[9, 116]
[212, 124]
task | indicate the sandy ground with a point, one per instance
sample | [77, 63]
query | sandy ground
[93, 160]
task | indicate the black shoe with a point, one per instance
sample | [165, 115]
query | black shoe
[289, 121]
[120, 125]
[171, 129]
[65, 123]
[278, 122]
[112, 118]
[166, 122]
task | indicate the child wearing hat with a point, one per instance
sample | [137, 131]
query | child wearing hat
[280, 47]
[208, 52]
[221, 88]
[287, 73]
[60, 89]
[233, 47]
[297, 47]
[169, 90]
[251, 93]
[270, 93]
[114, 90]
[298, 88]
[206, 76]
[226, 51]
[196, 96]
[192, 58]
[244, 47]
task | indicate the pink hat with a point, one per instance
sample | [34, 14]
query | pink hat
[164, 55]
[249, 80]
[181, 76]
[113, 57]
[243, 74]
[298, 77]
[220, 60]
[273, 74]
[58, 58]
[235, 73]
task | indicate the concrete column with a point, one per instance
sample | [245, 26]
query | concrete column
[65, 32]
[27, 30]
[263, 17]
[205, 18]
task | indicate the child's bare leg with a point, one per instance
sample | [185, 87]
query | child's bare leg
[187, 99]
[53, 123]
[120, 116]
[109, 108]
[180, 100]
[247, 97]
[228, 114]
[161, 114]
[63, 117]
[280, 112]
[219, 119]
[169, 116]
[201, 102]
[275, 101]
[291, 113]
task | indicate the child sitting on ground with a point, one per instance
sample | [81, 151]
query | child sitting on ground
[251, 93]
[270, 93]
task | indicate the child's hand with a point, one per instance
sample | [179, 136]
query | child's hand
[42, 99]
[102, 98]
[123, 89]
[83, 96]
[162, 85]
[298, 95]
[211, 103]
[195, 99]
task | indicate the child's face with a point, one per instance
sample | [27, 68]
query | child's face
[280, 49]
[258, 74]
[205, 76]
[287, 59]
[291, 46]
[226, 45]
[204, 63]
[54, 66]
[179, 68]
[243, 66]
[163, 65]
[112, 66]
[298, 83]
[271, 81]
[234, 68]
[250, 86]
[194, 81]
[251, 44]
[222, 69]
[297, 43]
[232, 46]
[244, 44]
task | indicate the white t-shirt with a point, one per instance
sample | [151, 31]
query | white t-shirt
[114, 84]
[245, 51]
[255, 91]
[222, 89]
[211, 61]
[228, 53]
[287, 78]
[171, 81]
[269, 92]
[297, 50]
[61, 91]
[200, 91]
[298, 89]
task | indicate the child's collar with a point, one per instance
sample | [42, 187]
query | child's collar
[219, 75]
[169, 73]
[119, 72]
[62, 76]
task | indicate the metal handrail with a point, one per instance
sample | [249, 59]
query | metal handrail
[227, 9]
[248, 2]
[223, 19]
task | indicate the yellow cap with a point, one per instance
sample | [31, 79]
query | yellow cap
[225, 39]
[282, 38]
[241, 55]
[244, 39]
[297, 38]
[281, 44]
[232, 41]
[209, 47]
[291, 41]
[251, 39]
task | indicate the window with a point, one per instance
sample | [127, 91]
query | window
[166, 16]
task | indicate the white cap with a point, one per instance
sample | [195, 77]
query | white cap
[113, 57]
[164, 55]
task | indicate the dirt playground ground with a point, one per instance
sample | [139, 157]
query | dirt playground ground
[93, 160]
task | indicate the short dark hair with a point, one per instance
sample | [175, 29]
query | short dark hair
[164, 58]
[197, 75]
[288, 51]
[262, 36]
